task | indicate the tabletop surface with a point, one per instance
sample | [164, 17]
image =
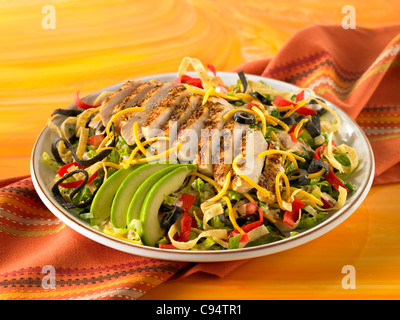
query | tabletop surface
[98, 43]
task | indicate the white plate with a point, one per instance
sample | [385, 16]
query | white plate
[349, 133]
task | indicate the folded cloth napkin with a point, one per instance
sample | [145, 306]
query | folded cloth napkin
[356, 69]
[41, 258]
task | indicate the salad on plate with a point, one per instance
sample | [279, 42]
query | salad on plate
[198, 164]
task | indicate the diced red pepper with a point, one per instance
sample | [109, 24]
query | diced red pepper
[196, 82]
[248, 227]
[186, 201]
[327, 204]
[300, 96]
[64, 169]
[280, 102]
[96, 140]
[290, 217]
[248, 208]
[166, 246]
[335, 181]
[291, 133]
[82, 104]
[305, 111]
[212, 69]
[320, 150]
[76, 183]
[186, 225]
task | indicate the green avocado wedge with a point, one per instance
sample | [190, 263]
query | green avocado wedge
[127, 190]
[135, 204]
[171, 182]
[102, 201]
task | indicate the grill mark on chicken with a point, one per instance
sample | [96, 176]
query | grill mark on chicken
[253, 143]
[230, 138]
[160, 114]
[116, 98]
[210, 136]
[273, 165]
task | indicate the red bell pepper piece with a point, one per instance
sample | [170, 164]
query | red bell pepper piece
[166, 246]
[320, 150]
[96, 140]
[290, 217]
[64, 169]
[212, 69]
[334, 180]
[76, 183]
[185, 201]
[82, 104]
[185, 228]
[196, 82]
[291, 133]
[300, 96]
[305, 111]
[280, 102]
[248, 227]
[248, 208]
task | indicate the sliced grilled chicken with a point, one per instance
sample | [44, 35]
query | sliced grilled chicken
[210, 136]
[189, 132]
[229, 141]
[273, 165]
[160, 114]
[178, 116]
[253, 143]
[116, 98]
[152, 99]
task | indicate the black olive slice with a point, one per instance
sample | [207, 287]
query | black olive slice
[317, 165]
[289, 120]
[244, 117]
[314, 126]
[263, 99]
[176, 213]
[298, 177]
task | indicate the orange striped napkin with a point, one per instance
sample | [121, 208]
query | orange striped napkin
[41, 258]
[356, 69]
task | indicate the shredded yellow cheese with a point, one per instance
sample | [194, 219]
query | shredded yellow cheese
[222, 192]
[231, 214]
[83, 134]
[316, 174]
[233, 111]
[120, 113]
[205, 178]
[307, 195]
[286, 153]
[212, 92]
[298, 127]
[263, 121]
[246, 178]
[137, 139]
[283, 204]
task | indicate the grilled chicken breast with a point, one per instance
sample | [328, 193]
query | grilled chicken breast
[152, 99]
[252, 144]
[230, 139]
[210, 136]
[161, 113]
[273, 165]
[116, 98]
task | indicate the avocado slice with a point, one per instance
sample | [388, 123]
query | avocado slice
[127, 190]
[171, 182]
[102, 201]
[136, 203]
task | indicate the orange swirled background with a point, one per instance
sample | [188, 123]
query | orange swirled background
[99, 43]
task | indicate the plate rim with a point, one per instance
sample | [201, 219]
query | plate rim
[205, 256]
